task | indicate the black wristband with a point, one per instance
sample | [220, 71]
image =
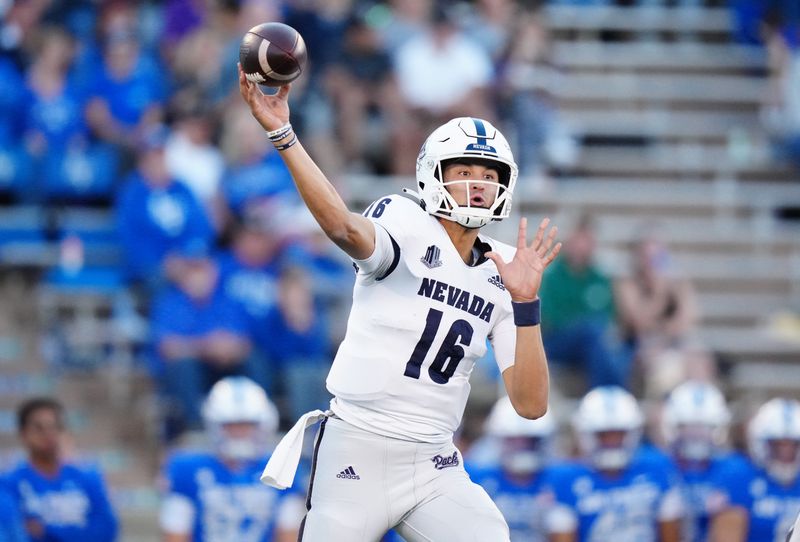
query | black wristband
[527, 313]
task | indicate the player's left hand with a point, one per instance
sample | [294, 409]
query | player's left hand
[522, 276]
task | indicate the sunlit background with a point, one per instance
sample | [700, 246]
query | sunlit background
[662, 136]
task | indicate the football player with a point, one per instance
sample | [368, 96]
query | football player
[430, 289]
[695, 427]
[516, 484]
[620, 491]
[218, 496]
[760, 497]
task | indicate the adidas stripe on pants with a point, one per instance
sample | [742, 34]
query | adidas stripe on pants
[364, 484]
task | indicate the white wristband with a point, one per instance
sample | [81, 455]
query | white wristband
[280, 133]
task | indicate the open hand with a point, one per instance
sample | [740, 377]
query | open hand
[522, 276]
[271, 111]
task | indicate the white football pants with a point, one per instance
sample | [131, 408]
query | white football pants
[364, 484]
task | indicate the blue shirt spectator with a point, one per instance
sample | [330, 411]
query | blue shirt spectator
[261, 179]
[59, 501]
[12, 99]
[199, 335]
[71, 506]
[193, 310]
[129, 82]
[11, 529]
[155, 215]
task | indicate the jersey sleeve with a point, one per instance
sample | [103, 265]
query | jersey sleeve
[177, 514]
[504, 341]
[562, 516]
[392, 216]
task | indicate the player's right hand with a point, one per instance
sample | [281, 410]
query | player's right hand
[271, 111]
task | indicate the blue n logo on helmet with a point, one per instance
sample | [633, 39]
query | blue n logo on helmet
[482, 144]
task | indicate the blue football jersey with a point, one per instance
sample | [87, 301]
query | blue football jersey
[225, 505]
[523, 505]
[772, 507]
[624, 508]
[71, 506]
[699, 485]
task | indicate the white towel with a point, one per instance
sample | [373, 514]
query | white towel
[282, 465]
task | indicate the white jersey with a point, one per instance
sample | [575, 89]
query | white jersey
[419, 321]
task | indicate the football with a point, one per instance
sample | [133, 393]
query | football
[272, 54]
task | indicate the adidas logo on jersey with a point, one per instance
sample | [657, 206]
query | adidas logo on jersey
[349, 474]
[431, 258]
[497, 281]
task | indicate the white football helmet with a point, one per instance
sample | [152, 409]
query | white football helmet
[526, 444]
[233, 400]
[695, 420]
[777, 419]
[471, 139]
[605, 409]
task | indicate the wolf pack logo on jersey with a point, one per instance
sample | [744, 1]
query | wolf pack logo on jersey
[497, 281]
[442, 462]
[431, 258]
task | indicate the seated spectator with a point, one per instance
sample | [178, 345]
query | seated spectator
[127, 92]
[59, 500]
[54, 113]
[156, 214]
[240, 422]
[249, 275]
[657, 308]
[527, 80]
[496, 19]
[364, 95]
[257, 173]
[782, 108]
[578, 313]
[199, 334]
[55, 133]
[441, 74]
[193, 158]
[295, 336]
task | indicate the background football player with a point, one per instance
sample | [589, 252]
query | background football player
[217, 496]
[695, 426]
[516, 483]
[620, 491]
[760, 497]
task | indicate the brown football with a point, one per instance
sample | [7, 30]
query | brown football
[272, 54]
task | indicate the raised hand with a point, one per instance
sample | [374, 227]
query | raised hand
[522, 276]
[271, 111]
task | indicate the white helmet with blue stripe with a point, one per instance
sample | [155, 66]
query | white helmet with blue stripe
[239, 400]
[695, 420]
[774, 438]
[473, 140]
[603, 410]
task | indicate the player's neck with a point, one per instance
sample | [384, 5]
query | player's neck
[463, 238]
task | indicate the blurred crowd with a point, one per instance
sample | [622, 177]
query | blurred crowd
[134, 106]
